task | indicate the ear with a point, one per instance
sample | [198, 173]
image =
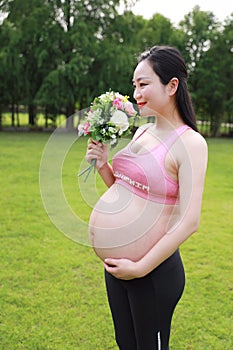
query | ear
[173, 86]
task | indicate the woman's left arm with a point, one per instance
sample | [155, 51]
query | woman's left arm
[192, 169]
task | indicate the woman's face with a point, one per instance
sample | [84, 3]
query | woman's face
[151, 95]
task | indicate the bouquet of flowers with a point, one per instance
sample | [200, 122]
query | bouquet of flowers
[107, 120]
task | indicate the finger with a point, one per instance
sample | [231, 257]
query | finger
[108, 268]
[96, 147]
[91, 141]
[104, 145]
[110, 262]
[95, 142]
[94, 154]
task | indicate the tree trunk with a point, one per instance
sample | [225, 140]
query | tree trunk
[31, 114]
[80, 116]
[216, 126]
[46, 118]
[17, 116]
[70, 110]
[12, 114]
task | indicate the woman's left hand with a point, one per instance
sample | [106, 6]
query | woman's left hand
[124, 269]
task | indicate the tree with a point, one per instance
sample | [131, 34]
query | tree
[156, 31]
[201, 30]
[58, 55]
[10, 68]
[78, 51]
[115, 56]
[199, 27]
[74, 26]
[214, 72]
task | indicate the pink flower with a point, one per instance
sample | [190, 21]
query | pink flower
[128, 106]
[120, 97]
[83, 129]
[118, 103]
[86, 128]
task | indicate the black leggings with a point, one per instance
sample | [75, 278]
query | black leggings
[142, 308]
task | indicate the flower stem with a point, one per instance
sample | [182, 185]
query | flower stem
[88, 169]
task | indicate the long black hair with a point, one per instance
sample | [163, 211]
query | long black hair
[167, 62]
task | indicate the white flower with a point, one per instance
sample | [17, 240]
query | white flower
[90, 115]
[113, 142]
[120, 119]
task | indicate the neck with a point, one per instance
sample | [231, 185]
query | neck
[168, 122]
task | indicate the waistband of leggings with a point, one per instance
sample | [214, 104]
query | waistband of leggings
[171, 262]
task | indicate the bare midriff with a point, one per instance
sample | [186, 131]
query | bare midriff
[124, 225]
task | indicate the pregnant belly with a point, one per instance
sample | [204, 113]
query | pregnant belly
[124, 225]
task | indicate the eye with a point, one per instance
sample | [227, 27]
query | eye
[140, 84]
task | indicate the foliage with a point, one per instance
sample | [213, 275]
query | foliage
[198, 26]
[57, 55]
[52, 43]
[212, 97]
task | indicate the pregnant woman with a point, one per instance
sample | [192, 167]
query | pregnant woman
[152, 204]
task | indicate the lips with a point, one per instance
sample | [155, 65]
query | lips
[141, 104]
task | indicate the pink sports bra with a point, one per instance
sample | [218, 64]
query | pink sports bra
[145, 173]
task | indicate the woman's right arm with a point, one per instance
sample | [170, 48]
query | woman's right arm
[99, 151]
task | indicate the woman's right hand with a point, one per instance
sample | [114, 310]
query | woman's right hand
[99, 151]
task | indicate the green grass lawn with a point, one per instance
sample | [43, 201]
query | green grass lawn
[52, 293]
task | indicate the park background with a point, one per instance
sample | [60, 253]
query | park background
[55, 56]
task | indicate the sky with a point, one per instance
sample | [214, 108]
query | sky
[175, 10]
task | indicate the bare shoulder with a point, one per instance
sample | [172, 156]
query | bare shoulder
[193, 148]
[194, 142]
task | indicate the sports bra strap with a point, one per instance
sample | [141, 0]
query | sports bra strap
[171, 138]
[142, 132]
[174, 135]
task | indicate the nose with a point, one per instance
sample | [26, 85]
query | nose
[136, 94]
